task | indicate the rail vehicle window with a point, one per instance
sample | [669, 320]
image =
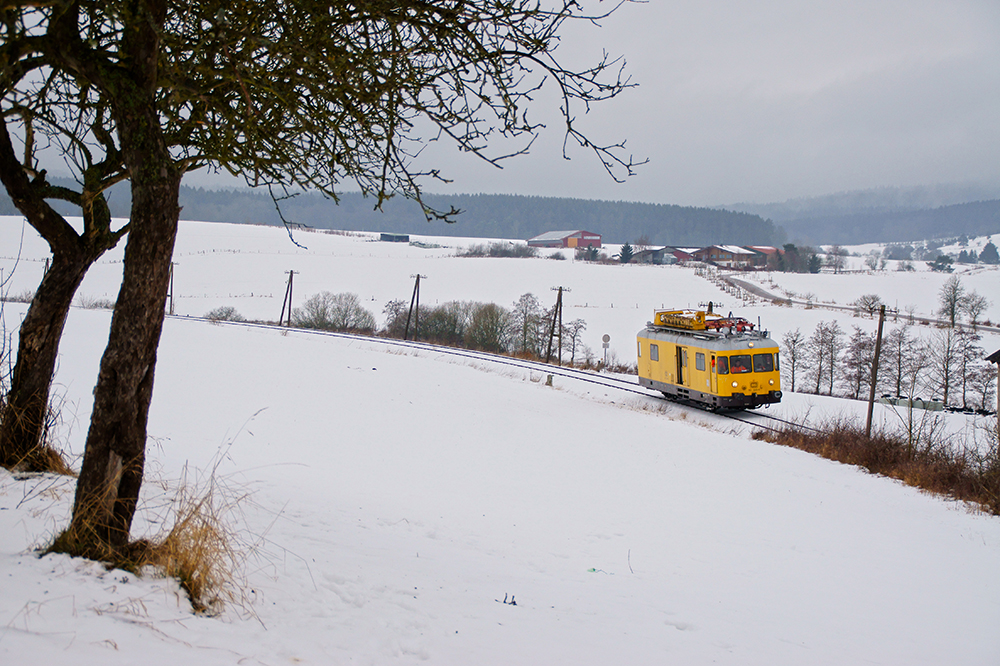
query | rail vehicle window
[639, 353]
[739, 363]
[699, 361]
[722, 365]
[654, 352]
[776, 364]
[763, 363]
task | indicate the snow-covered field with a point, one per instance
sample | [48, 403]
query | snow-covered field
[390, 501]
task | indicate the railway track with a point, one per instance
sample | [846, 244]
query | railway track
[607, 381]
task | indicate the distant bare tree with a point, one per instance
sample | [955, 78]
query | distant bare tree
[836, 258]
[573, 332]
[944, 363]
[824, 348]
[983, 385]
[974, 305]
[897, 357]
[528, 321]
[794, 344]
[951, 299]
[489, 328]
[395, 318]
[968, 352]
[868, 304]
[859, 358]
[335, 312]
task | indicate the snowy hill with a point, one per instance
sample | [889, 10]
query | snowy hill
[390, 501]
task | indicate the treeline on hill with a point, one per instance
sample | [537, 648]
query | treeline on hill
[523, 329]
[483, 216]
[980, 218]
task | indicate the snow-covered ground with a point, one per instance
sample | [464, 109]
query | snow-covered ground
[390, 501]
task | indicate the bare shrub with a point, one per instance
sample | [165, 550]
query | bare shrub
[94, 303]
[334, 312]
[25, 296]
[224, 313]
[500, 249]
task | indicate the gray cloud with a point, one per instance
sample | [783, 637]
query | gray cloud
[761, 101]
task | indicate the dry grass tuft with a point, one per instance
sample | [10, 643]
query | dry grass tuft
[968, 473]
[200, 549]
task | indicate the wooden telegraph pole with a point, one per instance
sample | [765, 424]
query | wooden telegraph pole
[414, 309]
[172, 264]
[556, 316]
[287, 303]
[878, 351]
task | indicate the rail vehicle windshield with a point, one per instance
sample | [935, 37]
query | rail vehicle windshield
[739, 363]
[722, 365]
[763, 363]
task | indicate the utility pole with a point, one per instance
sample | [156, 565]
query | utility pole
[556, 316]
[878, 351]
[414, 309]
[287, 303]
[172, 264]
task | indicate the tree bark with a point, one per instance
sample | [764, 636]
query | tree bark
[114, 457]
[107, 491]
[23, 417]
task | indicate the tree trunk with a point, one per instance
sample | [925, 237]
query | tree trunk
[23, 416]
[107, 492]
[111, 476]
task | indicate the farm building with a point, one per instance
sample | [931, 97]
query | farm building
[654, 255]
[395, 238]
[566, 239]
[728, 256]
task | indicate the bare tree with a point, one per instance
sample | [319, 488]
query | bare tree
[574, 331]
[825, 345]
[836, 258]
[859, 358]
[897, 357]
[968, 352]
[289, 95]
[489, 328]
[528, 320]
[395, 312]
[944, 362]
[951, 299]
[983, 385]
[794, 344]
[868, 304]
[974, 305]
[334, 312]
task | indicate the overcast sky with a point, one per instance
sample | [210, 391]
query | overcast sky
[765, 101]
[743, 101]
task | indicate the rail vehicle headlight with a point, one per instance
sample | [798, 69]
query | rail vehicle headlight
[735, 384]
[750, 344]
[771, 382]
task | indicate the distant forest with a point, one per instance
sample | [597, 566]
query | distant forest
[886, 214]
[850, 218]
[979, 218]
[483, 216]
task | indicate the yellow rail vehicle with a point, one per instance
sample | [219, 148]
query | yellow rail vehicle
[701, 357]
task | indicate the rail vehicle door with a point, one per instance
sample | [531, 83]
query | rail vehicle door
[682, 361]
[713, 376]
